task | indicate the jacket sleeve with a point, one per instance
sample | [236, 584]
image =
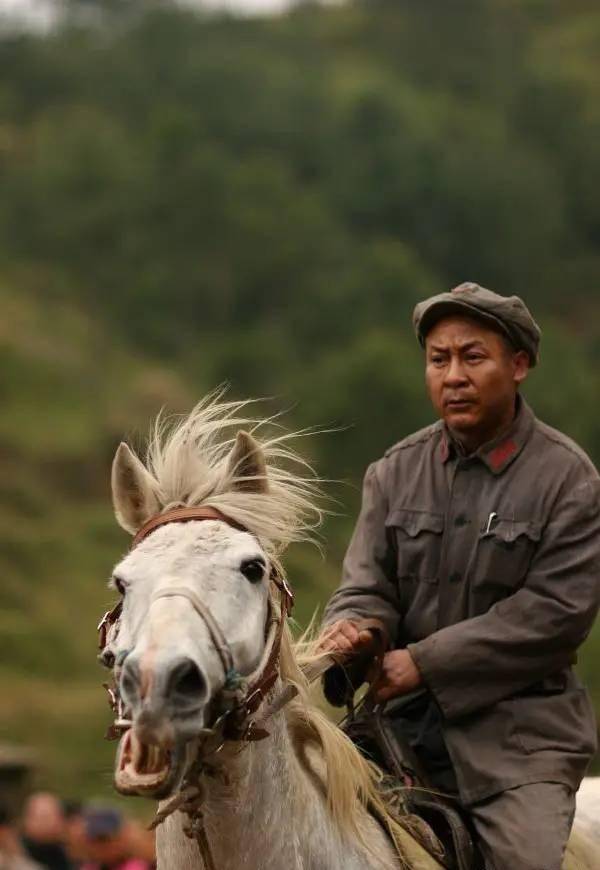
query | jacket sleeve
[368, 589]
[533, 633]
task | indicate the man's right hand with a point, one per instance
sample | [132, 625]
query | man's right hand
[346, 638]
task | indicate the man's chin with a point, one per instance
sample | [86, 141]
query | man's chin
[462, 419]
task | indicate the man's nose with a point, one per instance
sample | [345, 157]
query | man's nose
[455, 373]
[177, 683]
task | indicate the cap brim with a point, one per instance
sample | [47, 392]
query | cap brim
[448, 308]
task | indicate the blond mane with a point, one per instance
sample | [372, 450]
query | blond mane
[351, 782]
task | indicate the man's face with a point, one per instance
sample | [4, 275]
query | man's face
[472, 377]
[43, 819]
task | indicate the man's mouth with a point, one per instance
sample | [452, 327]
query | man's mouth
[459, 404]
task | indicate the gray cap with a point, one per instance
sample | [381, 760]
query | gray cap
[508, 314]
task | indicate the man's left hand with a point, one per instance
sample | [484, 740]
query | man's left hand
[398, 676]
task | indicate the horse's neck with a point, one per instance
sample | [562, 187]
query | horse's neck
[271, 815]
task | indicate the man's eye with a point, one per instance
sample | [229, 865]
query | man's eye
[253, 570]
[437, 360]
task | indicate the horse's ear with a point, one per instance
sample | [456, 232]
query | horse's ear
[134, 499]
[247, 464]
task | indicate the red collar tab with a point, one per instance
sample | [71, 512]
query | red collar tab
[496, 455]
[502, 454]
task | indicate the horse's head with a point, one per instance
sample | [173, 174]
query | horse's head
[196, 595]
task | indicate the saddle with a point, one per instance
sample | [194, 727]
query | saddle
[433, 818]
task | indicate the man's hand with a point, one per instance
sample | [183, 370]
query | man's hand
[345, 638]
[398, 676]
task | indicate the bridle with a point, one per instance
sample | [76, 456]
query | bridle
[241, 696]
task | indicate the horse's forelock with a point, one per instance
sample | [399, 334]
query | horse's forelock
[189, 461]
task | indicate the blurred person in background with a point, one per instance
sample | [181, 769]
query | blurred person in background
[142, 842]
[43, 831]
[74, 831]
[476, 562]
[12, 853]
[111, 842]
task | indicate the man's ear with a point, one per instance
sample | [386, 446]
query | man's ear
[133, 494]
[522, 365]
[247, 464]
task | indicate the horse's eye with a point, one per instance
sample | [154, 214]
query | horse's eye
[253, 570]
[119, 586]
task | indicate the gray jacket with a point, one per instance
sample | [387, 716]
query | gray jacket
[488, 569]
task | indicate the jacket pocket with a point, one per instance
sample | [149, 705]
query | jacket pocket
[417, 537]
[504, 552]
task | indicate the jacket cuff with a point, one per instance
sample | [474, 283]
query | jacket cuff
[423, 654]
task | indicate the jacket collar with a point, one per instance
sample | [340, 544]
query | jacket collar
[501, 452]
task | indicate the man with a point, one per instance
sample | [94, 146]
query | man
[476, 557]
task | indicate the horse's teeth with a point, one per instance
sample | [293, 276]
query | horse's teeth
[138, 752]
[145, 758]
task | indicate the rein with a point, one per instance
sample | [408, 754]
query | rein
[241, 696]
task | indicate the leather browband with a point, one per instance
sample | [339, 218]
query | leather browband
[183, 515]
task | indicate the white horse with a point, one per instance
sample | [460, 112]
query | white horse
[202, 625]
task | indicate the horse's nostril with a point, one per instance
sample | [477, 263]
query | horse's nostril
[186, 680]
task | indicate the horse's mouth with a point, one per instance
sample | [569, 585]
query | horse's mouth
[147, 769]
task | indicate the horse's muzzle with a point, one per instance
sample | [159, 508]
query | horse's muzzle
[147, 769]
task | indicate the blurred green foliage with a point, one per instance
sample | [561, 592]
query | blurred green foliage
[187, 200]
